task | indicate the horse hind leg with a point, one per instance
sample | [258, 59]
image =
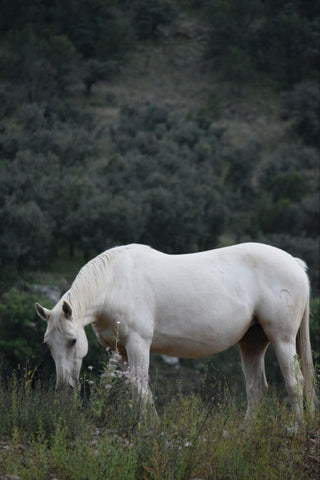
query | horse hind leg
[282, 335]
[253, 346]
[289, 365]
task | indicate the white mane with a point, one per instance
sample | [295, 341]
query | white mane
[90, 280]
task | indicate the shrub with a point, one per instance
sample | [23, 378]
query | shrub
[21, 334]
[26, 240]
[149, 15]
[300, 105]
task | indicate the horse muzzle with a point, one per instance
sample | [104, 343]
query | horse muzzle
[71, 383]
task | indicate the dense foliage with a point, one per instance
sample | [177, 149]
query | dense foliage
[253, 38]
[171, 181]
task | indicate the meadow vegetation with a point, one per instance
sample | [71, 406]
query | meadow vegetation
[99, 435]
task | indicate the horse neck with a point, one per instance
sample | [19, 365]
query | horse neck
[87, 292]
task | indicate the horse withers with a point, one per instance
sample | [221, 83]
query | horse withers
[140, 300]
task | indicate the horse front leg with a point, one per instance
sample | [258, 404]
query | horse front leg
[138, 353]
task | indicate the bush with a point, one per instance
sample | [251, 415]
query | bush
[301, 106]
[290, 186]
[26, 240]
[171, 164]
[315, 326]
[286, 160]
[21, 334]
[249, 37]
[149, 15]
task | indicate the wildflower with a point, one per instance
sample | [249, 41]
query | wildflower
[115, 358]
[90, 368]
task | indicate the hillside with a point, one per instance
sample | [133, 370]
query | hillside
[173, 71]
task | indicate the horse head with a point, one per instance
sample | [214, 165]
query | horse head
[67, 341]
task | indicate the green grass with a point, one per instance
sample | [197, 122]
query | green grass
[47, 434]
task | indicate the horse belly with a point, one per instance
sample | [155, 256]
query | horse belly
[194, 329]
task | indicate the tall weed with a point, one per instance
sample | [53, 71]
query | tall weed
[44, 434]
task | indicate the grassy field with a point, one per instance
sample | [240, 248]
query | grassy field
[99, 435]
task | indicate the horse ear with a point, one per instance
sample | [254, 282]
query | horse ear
[67, 310]
[43, 313]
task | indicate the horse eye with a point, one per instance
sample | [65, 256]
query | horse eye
[72, 342]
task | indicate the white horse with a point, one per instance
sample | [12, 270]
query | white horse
[140, 300]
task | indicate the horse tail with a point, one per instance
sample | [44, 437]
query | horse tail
[302, 264]
[305, 353]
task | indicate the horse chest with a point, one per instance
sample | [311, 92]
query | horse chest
[107, 334]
